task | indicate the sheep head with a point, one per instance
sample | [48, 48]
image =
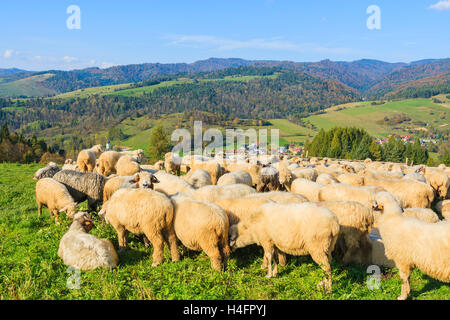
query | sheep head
[85, 220]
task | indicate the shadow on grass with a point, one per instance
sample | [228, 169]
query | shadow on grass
[432, 284]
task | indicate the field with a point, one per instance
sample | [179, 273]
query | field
[31, 269]
[29, 86]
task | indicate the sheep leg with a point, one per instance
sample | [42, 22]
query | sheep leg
[157, 241]
[39, 209]
[172, 243]
[281, 258]
[404, 272]
[323, 260]
[269, 251]
[122, 235]
[264, 264]
[213, 252]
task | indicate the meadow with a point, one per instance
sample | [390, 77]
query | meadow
[31, 269]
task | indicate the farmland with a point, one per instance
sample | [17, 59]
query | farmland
[31, 269]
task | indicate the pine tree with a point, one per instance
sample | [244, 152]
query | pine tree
[375, 151]
[159, 143]
[335, 147]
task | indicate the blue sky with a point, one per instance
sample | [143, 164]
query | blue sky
[34, 35]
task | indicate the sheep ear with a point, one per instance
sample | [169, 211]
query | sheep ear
[154, 179]
[136, 178]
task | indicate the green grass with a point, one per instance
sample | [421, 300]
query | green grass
[30, 86]
[31, 269]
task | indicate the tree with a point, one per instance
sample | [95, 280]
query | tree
[375, 150]
[159, 143]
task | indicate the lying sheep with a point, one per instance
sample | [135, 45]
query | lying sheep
[139, 180]
[170, 184]
[172, 162]
[268, 180]
[306, 188]
[202, 226]
[55, 197]
[86, 160]
[143, 211]
[297, 229]
[326, 178]
[443, 207]
[238, 176]
[127, 166]
[355, 221]
[47, 172]
[280, 197]
[82, 186]
[413, 243]
[79, 249]
[198, 178]
[344, 192]
[423, 214]
[213, 193]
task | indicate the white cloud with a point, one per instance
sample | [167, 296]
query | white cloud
[8, 53]
[441, 5]
[69, 59]
[222, 44]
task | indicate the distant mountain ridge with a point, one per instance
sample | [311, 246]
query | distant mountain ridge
[371, 78]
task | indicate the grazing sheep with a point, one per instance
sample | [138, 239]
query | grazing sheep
[202, 226]
[280, 197]
[372, 253]
[107, 162]
[251, 169]
[413, 243]
[351, 178]
[55, 197]
[213, 193]
[198, 178]
[238, 209]
[415, 176]
[297, 229]
[414, 194]
[439, 181]
[127, 166]
[326, 178]
[308, 173]
[139, 154]
[159, 165]
[306, 188]
[47, 172]
[268, 180]
[97, 150]
[212, 166]
[170, 184]
[79, 249]
[345, 192]
[86, 160]
[172, 162]
[139, 180]
[355, 221]
[83, 185]
[238, 176]
[143, 211]
[443, 207]
[423, 214]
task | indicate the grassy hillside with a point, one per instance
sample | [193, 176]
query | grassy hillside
[423, 113]
[31, 269]
[29, 86]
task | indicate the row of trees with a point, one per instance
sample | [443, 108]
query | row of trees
[356, 143]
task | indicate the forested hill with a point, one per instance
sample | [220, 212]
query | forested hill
[371, 78]
[263, 93]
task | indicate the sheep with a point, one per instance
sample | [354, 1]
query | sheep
[238, 209]
[238, 176]
[443, 207]
[423, 214]
[55, 197]
[212, 166]
[306, 188]
[340, 192]
[355, 221]
[172, 162]
[170, 184]
[415, 176]
[198, 178]
[97, 150]
[268, 180]
[202, 226]
[439, 181]
[86, 160]
[79, 249]
[82, 186]
[413, 243]
[139, 180]
[47, 172]
[308, 173]
[127, 166]
[414, 194]
[143, 211]
[251, 169]
[351, 178]
[280, 197]
[158, 165]
[139, 154]
[372, 253]
[70, 164]
[326, 178]
[213, 193]
[107, 162]
[297, 229]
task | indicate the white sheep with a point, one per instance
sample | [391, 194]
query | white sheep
[443, 207]
[198, 178]
[79, 249]
[238, 176]
[424, 214]
[326, 178]
[170, 184]
[306, 188]
[280, 197]
[213, 192]
[345, 192]
[127, 165]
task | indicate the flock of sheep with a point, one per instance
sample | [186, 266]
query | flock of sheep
[361, 212]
